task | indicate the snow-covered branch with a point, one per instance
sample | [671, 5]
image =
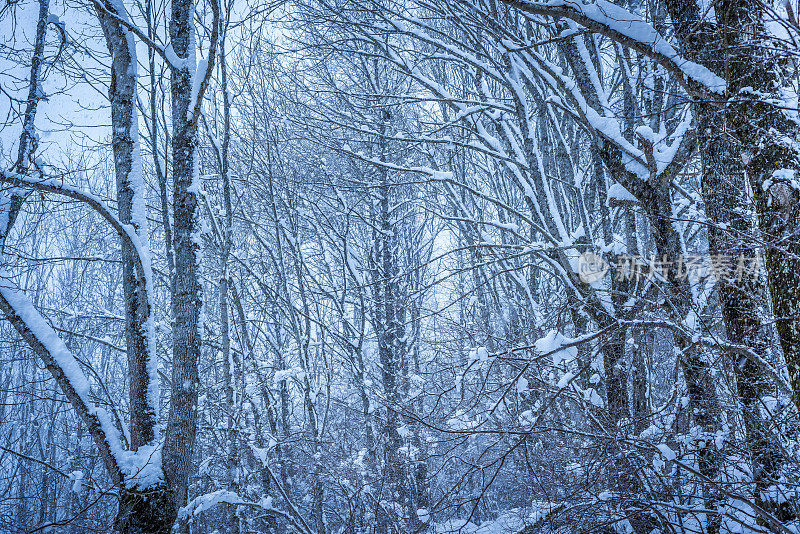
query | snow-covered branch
[619, 24]
[49, 185]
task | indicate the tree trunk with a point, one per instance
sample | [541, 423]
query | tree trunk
[655, 197]
[726, 194]
[28, 137]
[146, 512]
[152, 510]
[187, 301]
[132, 211]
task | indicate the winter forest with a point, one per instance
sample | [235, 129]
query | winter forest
[400, 266]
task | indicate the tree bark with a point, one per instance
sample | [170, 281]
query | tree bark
[187, 299]
[28, 138]
[130, 203]
[728, 50]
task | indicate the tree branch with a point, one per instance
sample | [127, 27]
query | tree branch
[628, 29]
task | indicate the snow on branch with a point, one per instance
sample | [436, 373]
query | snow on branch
[134, 469]
[116, 11]
[622, 26]
[207, 501]
[61, 363]
[125, 231]
[202, 74]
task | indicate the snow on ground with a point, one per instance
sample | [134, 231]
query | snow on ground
[510, 522]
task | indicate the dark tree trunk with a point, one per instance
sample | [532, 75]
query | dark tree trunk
[28, 137]
[150, 511]
[725, 136]
[655, 197]
[130, 197]
[181, 428]
[146, 512]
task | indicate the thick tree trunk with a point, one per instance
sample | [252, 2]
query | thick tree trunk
[726, 195]
[737, 49]
[152, 510]
[725, 135]
[389, 323]
[146, 512]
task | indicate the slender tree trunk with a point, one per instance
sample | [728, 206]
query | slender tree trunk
[655, 197]
[130, 202]
[154, 148]
[187, 297]
[226, 246]
[28, 137]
